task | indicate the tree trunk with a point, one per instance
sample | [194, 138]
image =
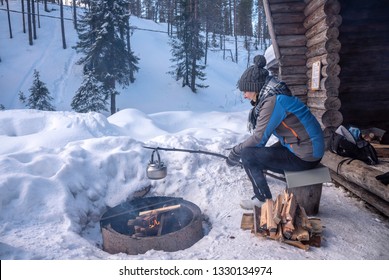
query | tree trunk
[75, 15]
[23, 18]
[33, 19]
[62, 25]
[9, 20]
[30, 40]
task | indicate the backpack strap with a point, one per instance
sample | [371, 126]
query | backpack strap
[348, 160]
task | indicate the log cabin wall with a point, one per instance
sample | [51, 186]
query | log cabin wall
[285, 21]
[364, 63]
[322, 21]
[350, 40]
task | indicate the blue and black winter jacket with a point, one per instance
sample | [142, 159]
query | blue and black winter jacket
[279, 113]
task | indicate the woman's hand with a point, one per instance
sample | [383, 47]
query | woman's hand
[233, 158]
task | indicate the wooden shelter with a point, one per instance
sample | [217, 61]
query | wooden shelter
[334, 55]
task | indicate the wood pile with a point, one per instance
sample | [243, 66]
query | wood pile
[284, 220]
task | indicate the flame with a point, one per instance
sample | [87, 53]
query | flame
[153, 223]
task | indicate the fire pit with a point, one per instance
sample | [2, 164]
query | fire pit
[160, 223]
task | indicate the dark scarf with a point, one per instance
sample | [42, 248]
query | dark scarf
[271, 87]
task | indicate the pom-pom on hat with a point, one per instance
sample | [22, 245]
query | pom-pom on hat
[255, 76]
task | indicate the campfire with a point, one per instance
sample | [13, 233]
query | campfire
[160, 223]
[284, 220]
[155, 222]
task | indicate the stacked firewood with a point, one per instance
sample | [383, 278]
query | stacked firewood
[286, 221]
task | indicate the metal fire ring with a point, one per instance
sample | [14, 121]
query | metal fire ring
[118, 239]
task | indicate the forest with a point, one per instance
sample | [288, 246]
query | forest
[104, 39]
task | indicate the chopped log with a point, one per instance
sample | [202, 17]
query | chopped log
[297, 244]
[317, 227]
[263, 220]
[315, 241]
[283, 212]
[278, 209]
[300, 234]
[159, 210]
[257, 221]
[277, 235]
[247, 221]
[271, 225]
[305, 222]
[291, 206]
[288, 229]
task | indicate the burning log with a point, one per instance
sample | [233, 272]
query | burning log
[152, 222]
[286, 221]
[160, 210]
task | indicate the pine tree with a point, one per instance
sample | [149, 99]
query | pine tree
[91, 96]
[102, 39]
[188, 46]
[40, 96]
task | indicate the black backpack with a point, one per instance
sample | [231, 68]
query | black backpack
[348, 142]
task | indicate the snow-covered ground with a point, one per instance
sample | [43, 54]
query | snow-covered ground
[59, 171]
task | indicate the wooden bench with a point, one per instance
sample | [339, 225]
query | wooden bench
[307, 186]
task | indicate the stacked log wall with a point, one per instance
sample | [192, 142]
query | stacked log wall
[322, 21]
[286, 20]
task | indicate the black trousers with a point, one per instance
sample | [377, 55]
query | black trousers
[275, 158]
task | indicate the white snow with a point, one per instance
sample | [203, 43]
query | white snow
[59, 171]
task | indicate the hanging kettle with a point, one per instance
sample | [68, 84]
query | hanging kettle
[156, 169]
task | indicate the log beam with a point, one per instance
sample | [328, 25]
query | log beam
[359, 173]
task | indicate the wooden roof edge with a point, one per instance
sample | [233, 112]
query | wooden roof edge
[269, 20]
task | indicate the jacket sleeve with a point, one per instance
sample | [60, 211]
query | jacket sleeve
[267, 121]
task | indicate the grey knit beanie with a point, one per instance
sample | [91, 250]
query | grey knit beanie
[255, 76]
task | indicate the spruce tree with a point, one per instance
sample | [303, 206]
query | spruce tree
[40, 96]
[91, 96]
[102, 40]
[188, 46]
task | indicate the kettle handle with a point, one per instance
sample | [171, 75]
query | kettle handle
[152, 156]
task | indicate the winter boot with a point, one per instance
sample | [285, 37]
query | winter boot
[248, 204]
